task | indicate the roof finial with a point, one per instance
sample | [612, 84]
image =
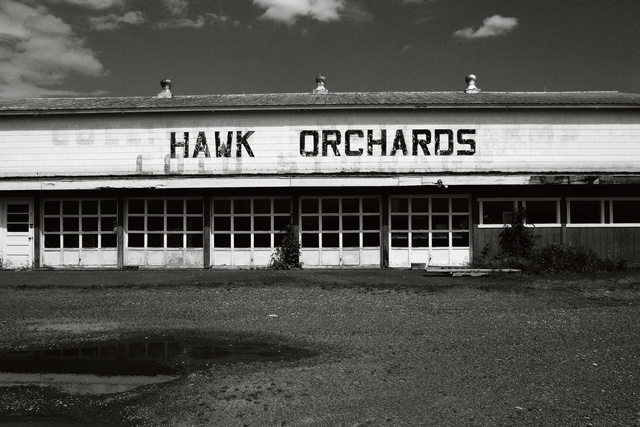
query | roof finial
[320, 81]
[471, 84]
[166, 89]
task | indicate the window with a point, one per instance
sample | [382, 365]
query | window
[603, 212]
[250, 223]
[340, 222]
[74, 224]
[499, 212]
[164, 223]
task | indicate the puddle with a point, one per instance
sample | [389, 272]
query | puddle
[115, 367]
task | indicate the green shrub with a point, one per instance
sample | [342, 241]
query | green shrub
[516, 239]
[571, 258]
[287, 255]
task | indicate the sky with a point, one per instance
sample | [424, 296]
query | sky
[61, 48]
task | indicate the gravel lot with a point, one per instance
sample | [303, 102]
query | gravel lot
[390, 347]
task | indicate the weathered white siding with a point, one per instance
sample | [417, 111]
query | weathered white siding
[506, 141]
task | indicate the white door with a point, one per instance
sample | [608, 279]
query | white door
[18, 241]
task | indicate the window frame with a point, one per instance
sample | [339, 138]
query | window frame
[519, 202]
[606, 212]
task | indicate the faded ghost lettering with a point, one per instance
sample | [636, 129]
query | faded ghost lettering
[444, 142]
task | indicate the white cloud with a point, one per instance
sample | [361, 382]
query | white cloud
[287, 11]
[113, 22]
[199, 22]
[493, 26]
[176, 7]
[92, 4]
[39, 51]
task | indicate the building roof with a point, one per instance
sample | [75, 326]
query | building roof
[332, 100]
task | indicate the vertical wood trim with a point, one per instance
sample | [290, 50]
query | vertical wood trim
[37, 247]
[384, 238]
[120, 232]
[206, 230]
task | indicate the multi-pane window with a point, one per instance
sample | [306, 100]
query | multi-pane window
[603, 211]
[165, 223]
[250, 223]
[423, 222]
[332, 222]
[498, 212]
[86, 224]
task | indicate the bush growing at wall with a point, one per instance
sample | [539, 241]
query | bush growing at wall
[287, 255]
[571, 258]
[517, 240]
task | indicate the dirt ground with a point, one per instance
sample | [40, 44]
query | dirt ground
[385, 347]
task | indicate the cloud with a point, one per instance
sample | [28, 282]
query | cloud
[92, 4]
[287, 11]
[113, 22]
[493, 26]
[39, 51]
[176, 7]
[199, 22]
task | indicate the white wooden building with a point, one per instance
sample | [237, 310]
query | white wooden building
[367, 179]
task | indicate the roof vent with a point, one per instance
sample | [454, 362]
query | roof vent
[166, 89]
[320, 81]
[471, 84]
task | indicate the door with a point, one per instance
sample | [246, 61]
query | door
[18, 241]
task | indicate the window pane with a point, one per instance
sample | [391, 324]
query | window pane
[195, 224]
[175, 223]
[310, 206]
[278, 238]
[222, 223]
[51, 207]
[155, 223]
[17, 217]
[350, 205]
[155, 240]
[155, 207]
[90, 224]
[330, 205]
[108, 223]
[242, 223]
[439, 204]
[221, 207]
[626, 212]
[70, 207]
[497, 212]
[351, 240]
[371, 205]
[90, 207]
[282, 206]
[262, 206]
[440, 222]
[136, 240]
[351, 223]
[370, 239]
[222, 240]
[420, 204]
[371, 222]
[262, 241]
[175, 207]
[194, 240]
[109, 240]
[71, 240]
[585, 211]
[399, 240]
[135, 223]
[174, 240]
[440, 240]
[330, 223]
[310, 240]
[194, 207]
[242, 241]
[71, 224]
[460, 240]
[330, 240]
[541, 212]
[51, 224]
[17, 228]
[109, 207]
[52, 241]
[419, 240]
[89, 240]
[136, 206]
[310, 223]
[242, 206]
[262, 223]
[399, 205]
[460, 222]
[460, 205]
[420, 222]
[400, 222]
[281, 222]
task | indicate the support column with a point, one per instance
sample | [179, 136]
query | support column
[37, 229]
[206, 229]
[120, 232]
[384, 238]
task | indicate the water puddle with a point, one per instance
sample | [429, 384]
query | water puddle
[115, 367]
